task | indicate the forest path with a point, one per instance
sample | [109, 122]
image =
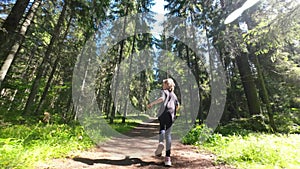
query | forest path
[135, 151]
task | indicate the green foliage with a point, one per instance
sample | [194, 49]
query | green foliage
[246, 149]
[193, 136]
[255, 123]
[288, 122]
[21, 146]
[198, 135]
[257, 150]
[273, 37]
[295, 102]
[131, 122]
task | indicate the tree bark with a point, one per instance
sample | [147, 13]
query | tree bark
[248, 83]
[113, 112]
[10, 26]
[43, 66]
[15, 48]
[264, 93]
[12, 21]
[45, 92]
[130, 73]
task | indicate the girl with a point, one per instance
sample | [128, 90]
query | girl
[166, 117]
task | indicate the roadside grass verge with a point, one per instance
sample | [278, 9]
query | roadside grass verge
[21, 146]
[251, 150]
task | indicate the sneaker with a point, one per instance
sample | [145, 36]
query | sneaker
[159, 149]
[168, 161]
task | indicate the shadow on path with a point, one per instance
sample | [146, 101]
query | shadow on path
[139, 142]
[123, 162]
[137, 151]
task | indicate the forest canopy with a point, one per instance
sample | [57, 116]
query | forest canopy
[259, 52]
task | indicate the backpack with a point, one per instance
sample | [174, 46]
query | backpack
[171, 105]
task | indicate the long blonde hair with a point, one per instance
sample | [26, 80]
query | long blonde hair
[170, 83]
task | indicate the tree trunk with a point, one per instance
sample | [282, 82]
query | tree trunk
[46, 89]
[264, 93]
[113, 112]
[12, 21]
[197, 71]
[43, 66]
[108, 101]
[82, 86]
[10, 25]
[15, 48]
[248, 83]
[200, 114]
[45, 92]
[68, 108]
[130, 73]
[190, 74]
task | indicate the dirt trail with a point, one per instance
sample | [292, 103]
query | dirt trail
[135, 151]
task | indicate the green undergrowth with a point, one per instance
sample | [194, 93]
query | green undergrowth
[22, 146]
[249, 150]
[130, 122]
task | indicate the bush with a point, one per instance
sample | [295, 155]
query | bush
[193, 136]
[288, 122]
[200, 134]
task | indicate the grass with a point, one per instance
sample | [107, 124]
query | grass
[252, 150]
[131, 122]
[258, 151]
[22, 146]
